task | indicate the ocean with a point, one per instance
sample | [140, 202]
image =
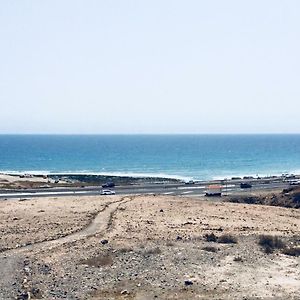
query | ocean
[198, 157]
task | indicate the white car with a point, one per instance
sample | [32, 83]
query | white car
[294, 182]
[108, 192]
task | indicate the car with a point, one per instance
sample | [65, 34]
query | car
[190, 182]
[294, 182]
[245, 185]
[107, 192]
[108, 185]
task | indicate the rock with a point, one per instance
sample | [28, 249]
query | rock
[36, 293]
[27, 270]
[124, 292]
[23, 296]
[188, 282]
[161, 210]
[104, 242]
[178, 238]
[45, 269]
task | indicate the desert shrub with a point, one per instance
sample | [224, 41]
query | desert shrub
[227, 239]
[152, 251]
[98, 261]
[195, 239]
[287, 190]
[233, 199]
[210, 237]
[169, 244]
[210, 249]
[244, 199]
[270, 243]
[296, 197]
[125, 249]
[292, 251]
[251, 200]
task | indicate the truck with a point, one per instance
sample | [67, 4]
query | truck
[214, 190]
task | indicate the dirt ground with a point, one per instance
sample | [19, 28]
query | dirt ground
[145, 247]
[39, 219]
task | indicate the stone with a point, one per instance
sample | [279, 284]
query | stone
[23, 296]
[188, 282]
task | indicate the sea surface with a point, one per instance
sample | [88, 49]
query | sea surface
[197, 157]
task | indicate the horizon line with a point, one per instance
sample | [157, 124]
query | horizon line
[166, 133]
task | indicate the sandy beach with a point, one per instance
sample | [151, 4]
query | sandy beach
[145, 247]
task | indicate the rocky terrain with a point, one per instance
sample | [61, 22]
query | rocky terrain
[148, 247]
[289, 197]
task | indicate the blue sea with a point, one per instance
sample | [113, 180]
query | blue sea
[198, 157]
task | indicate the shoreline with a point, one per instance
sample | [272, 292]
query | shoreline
[91, 176]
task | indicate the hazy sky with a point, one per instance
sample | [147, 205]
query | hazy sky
[149, 66]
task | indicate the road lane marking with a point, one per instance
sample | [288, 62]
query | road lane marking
[191, 187]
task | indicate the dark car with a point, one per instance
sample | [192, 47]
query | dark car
[108, 185]
[190, 182]
[245, 185]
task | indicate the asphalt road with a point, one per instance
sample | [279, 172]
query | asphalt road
[192, 190]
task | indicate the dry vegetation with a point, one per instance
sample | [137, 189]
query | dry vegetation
[289, 198]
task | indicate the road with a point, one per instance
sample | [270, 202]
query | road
[192, 190]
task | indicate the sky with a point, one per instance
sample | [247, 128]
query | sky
[122, 66]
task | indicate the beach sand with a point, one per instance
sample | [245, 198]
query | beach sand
[29, 181]
[144, 247]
